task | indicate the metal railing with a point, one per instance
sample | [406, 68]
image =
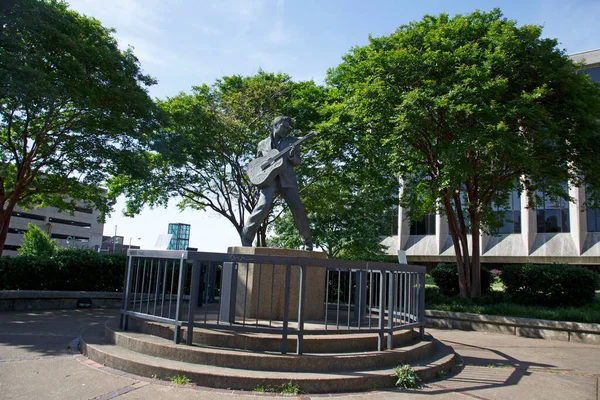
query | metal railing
[287, 296]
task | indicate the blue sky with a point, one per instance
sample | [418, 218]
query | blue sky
[183, 43]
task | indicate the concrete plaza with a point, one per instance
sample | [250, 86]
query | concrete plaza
[39, 360]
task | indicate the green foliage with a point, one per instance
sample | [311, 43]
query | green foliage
[550, 285]
[446, 278]
[74, 109]
[499, 303]
[68, 269]
[463, 108]
[180, 380]
[209, 136]
[406, 377]
[289, 388]
[37, 243]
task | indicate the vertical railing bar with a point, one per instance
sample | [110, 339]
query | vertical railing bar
[220, 296]
[391, 292]
[245, 294]
[349, 297]
[370, 274]
[164, 288]
[143, 284]
[127, 294]
[301, 297]
[180, 294]
[149, 286]
[409, 298]
[286, 305]
[380, 322]
[207, 289]
[272, 290]
[404, 296]
[422, 306]
[258, 294]
[171, 292]
[338, 299]
[137, 281]
[326, 294]
[156, 287]
[194, 288]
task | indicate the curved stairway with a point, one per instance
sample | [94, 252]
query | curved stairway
[220, 359]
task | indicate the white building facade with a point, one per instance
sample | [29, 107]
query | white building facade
[554, 231]
[81, 229]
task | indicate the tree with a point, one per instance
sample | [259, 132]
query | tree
[73, 109]
[468, 108]
[200, 154]
[346, 218]
[36, 243]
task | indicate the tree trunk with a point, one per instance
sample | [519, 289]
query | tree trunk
[476, 259]
[5, 216]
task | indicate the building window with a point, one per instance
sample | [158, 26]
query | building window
[180, 239]
[593, 218]
[21, 214]
[84, 210]
[511, 214]
[69, 237]
[69, 222]
[552, 213]
[425, 226]
[11, 247]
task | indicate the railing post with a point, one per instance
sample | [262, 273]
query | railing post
[194, 295]
[360, 298]
[126, 295]
[381, 325]
[301, 290]
[182, 268]
[228, 292]
[286, 306]
[422, 305]
[390, 312]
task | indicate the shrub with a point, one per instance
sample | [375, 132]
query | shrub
[68, 269]
[549, 285]
[36, 242]
[446, 278]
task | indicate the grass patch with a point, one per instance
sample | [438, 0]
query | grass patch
[180, 380]
[286, 388]
[497, 303]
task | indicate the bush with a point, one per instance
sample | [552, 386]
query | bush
[446, 278]
[550, 285]
[68, 269]
[37, 243]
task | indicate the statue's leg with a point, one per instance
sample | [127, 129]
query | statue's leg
[292, 198]
[260, 212]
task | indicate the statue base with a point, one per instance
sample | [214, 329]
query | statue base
[260, 288]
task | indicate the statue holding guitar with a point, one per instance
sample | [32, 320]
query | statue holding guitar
[273, 173]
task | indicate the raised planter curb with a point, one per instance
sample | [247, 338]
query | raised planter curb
[22, 300]
[526, 327]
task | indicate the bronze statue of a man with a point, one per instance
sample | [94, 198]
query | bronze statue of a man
[282, 181]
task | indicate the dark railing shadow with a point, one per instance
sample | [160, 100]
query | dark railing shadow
[502, 372]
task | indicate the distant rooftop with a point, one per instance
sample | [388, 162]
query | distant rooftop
[591, 58]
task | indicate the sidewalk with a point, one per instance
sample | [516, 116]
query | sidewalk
[39, 360]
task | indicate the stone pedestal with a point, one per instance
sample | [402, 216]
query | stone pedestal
[260, 288]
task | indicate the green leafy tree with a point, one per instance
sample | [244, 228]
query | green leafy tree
[37, 243]
[200, 155]
[467, 108]
[73, 109]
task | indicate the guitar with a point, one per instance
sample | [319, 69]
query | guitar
[262, 170]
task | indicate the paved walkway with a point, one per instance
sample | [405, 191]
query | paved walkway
[39, 360]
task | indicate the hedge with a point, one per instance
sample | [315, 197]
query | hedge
[445, 277]
[68, 269]
[549, 285]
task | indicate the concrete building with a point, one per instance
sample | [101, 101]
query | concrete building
[554, 231]
[81, 229]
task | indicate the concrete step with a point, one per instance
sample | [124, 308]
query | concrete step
[335, 343]
[266, 361]
[349, 380]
